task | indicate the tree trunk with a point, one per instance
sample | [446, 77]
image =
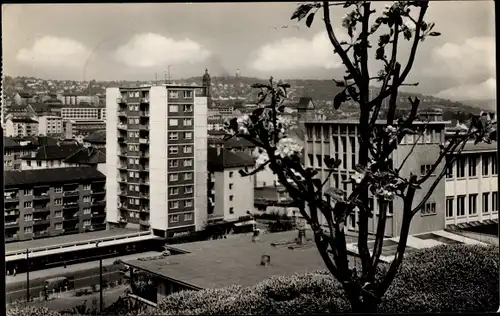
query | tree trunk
[364, 306]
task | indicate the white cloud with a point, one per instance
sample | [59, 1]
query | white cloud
[294, 53]
[149, 50]
[484, 91]
[54, 51]
[464, 62]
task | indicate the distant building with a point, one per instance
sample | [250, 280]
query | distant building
[88, 156]
[50, 156]
[96, 139]
[51, 202]
[83, 113]
[215, 124]
[15, 148]
[23, 98]
[79, 129]
[50, 125]
[20, 126]
[230, 195]
[75, 99]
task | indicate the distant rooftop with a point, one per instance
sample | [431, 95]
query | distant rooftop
[98, 137]
[54, 152]
[27, 120]
[16, 178]
[87, 155]
[220, 159]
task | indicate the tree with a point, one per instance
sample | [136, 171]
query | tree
[267, 129]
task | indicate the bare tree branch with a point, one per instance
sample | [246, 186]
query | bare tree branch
[380, 234]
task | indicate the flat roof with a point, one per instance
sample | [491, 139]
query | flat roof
[381, 122]
[52, 241]
[235, 260]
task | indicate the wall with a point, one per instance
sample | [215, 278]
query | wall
[42, 164]
[112, 214]
[200, 160]
[241, 192]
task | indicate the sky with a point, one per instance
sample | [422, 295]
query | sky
[135, 41]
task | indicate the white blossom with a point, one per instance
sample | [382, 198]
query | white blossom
[357, 177]
[408, 23]
[346, 20]
[261, 159]
[243, 124]
[287, 147]
[387, 195]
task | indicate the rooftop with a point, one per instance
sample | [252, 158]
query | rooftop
[87, 155]
[233, 142]
[223, 262]
[98, 137]
[54, 152]
[16, 178]
[378, 122]
[22, 142]
[481, 147]
[220, 159]
[27, 120]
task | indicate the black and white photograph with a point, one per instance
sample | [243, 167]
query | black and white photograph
[250, 158]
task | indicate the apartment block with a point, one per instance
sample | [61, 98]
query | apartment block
[157, 140]
[20, 127]
[84, 113]
[230, 195]
[49, 156]
[339, 139]
[50, 125]
[51, 202]
[472, 186]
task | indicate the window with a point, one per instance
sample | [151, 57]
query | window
[86, 223]
[38, 163]
[28, 217]
[28, 163]
[28, 230]
[188, 203]
[188, 149]
[174, 218]
[485, 164]
[188, 108]
[429, 208]
[494, 201]
[173, 191]
[86, 199]
[352, 220]
[28, 204]
[231, 210]
[58, 214]
[460, 167]
[86, 187]
[188, 217]
[86, 210]
[188, 122]
[188, 94]
[230, 174]
[425, 169]
[174, 177]
[188, 135]
[173, 122]
[173, 108]
[461, 205]
[486, 197]
[58, 189]
[231, 197]
[188, 189]
[428, 136]
[188, 163]
[173, 136]
[28, 192]
[449, 171]
[188, 176]
[136, 187]
[173, 94]
[58, 226]
[494, 166]
[173, 163]
[472, 204]
[449, 207]
[173, 150]
[472, 166]
[230, 186]
[58, 201]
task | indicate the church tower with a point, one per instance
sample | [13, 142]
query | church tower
[207, 84]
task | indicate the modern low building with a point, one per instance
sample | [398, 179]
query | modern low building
[230, 195]
[84, 113]
[156, 140]
[339, 139]
[49, 156]
[79, 129]
[21, 126]
[50, 125]
[472, 187]
[51, 202]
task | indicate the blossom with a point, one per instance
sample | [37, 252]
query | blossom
[387, 195]
[408, 23]
[357, 177]
[262, 159]
[243, 124]
[287, 147]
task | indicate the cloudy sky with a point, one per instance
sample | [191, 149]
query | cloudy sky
[135, 41]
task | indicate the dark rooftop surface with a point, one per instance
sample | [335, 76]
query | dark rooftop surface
[235, 260]
[23, 120]
[46, 242]
[98, 137]
[231, 143]
[55, 152]
[88, 155]
[15, 178]
[220, 159]
[36, 141]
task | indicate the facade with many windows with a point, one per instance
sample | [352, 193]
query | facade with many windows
[471, 186]
[51, 202]
[339, 139]
[156, 158]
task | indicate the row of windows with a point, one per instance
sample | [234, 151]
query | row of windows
[56, 189]
[175, 191]
[174, 94]
[172, 163]
[342, 129]
[185, 122]
[135, 94]
[473, 161]
[185, 175]
[176, 204]
[186, 108]
[57, 214]
[175, 135]
[458, 208]
[173, 150]
[175, 218]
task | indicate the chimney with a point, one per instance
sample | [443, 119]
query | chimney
[265, 260]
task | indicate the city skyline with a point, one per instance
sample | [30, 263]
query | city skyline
[459, 65]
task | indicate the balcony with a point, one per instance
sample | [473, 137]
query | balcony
[144, 168]
[144, 154]
[122, 127]
[11, 197]
[144, 101]
[43, 196]
[71, 193]
[12, 207]
[40, 234]
[71, 218]
[144, 222]
[144, 113]
[68, 206]
[122, 153]
[41, 208]
[144, 210]
[144, 182]
[121, 180]
[122, 113]
[98, 191]
[144, 195]
[121, 100]
[98, 202]
[122, 167]
[143, 127]
[42, 221]
[122, 139]
[143, 141]
[11, 212]
[98, 215]
[9, 238]
[11, 224]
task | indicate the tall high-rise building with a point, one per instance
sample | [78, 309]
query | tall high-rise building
[156, 158]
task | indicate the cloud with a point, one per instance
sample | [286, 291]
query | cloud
[294, 53]
[149, 50]
[468, 62]
[483, 91]
[54, 51]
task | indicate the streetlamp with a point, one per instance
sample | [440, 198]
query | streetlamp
[100, 280]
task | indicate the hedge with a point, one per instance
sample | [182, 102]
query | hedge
[455, 278]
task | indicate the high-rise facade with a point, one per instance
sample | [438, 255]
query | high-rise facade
[156, 158]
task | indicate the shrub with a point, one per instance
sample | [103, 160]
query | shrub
[23, 310]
